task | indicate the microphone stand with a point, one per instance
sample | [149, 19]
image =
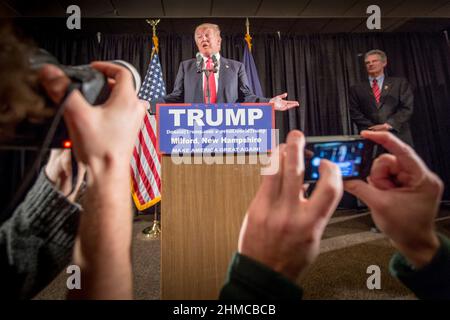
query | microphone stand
[208, 93]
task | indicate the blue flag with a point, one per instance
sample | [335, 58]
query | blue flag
[252, 73]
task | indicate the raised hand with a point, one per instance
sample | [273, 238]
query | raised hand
[403, 196]
[282, 229]
[280, 104]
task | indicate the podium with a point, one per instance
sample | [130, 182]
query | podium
[205, 196]
[202, 211]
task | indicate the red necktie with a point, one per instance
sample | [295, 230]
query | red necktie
[211, 84]
[376, 90]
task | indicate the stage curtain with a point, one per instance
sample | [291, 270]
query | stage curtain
[317, 70]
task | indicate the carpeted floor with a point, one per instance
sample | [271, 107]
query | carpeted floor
[348, 248]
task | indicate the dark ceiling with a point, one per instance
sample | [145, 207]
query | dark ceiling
[287, 16]
[228, 8]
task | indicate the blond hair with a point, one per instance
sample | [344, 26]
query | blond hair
[213, 26]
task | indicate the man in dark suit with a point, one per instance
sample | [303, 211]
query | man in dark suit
[229, 84]
[382, 103]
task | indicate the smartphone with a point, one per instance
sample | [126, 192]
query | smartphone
[352, 154]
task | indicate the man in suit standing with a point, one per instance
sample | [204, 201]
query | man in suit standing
[226, 82]
[382, 103]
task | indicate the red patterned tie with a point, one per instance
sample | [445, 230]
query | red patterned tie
[212, 83]
[376, 90]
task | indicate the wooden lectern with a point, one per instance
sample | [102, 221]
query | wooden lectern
[201, 214]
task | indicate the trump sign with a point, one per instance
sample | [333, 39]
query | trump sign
[215, 128]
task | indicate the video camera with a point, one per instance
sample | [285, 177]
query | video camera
[92, 84]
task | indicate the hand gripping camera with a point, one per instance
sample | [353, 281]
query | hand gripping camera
[92, 84]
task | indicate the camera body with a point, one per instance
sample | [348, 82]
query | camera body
[92, 84]
[352, 154]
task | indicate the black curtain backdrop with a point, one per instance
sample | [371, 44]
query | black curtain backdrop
[317, 70]
[70, 49]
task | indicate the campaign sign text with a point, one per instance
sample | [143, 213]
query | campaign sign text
[214, 128]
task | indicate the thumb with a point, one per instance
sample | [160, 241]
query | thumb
[77, 113]
[145, 104]
[242, 233]
[362, 190]
[328, 191]
[54, 81]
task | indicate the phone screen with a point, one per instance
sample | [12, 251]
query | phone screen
[353, 156]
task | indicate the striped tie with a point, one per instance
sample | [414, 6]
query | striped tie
[376, 90]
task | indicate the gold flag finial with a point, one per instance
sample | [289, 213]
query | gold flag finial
[154, 23]
[248, 38]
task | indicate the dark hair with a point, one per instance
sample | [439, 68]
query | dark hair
[19, 98]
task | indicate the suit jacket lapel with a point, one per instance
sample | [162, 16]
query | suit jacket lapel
[198, 84]
[387, 85]
[369, 90]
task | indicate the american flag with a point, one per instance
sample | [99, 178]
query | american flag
[146, 164]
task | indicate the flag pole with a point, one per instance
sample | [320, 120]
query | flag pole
[249, 63]
[153, 232]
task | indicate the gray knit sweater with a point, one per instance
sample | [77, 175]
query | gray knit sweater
[36, 242]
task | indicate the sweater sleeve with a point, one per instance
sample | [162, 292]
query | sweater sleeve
[250, 280]
[36, 242]
[429, 282]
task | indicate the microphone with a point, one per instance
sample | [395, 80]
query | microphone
[199, 62]
[215, 62]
